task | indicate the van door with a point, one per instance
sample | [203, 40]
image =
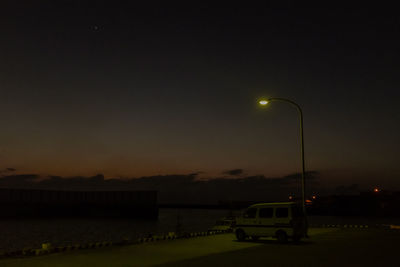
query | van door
[266, 221]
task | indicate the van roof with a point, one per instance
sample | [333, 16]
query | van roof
[274, 204]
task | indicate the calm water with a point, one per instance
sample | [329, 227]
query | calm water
[18, 234]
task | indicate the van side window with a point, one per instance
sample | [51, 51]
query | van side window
[250, 213]
[266, 213]
[281, 212]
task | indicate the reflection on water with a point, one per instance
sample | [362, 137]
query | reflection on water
[18, 234]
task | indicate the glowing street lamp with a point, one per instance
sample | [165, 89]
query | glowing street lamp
[264, 102]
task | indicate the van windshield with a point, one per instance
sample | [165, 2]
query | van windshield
[297, 212]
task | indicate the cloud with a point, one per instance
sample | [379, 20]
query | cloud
[17, 181]
[7, 170]
[234, 172]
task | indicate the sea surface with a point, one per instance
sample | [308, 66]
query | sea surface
[20, 234]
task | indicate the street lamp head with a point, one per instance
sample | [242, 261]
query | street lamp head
[263, 102]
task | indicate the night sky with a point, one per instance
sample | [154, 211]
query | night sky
[137, 90]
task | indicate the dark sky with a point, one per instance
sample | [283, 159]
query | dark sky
[135, 90]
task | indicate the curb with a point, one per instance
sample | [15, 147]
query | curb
[354, 226]
[357, 226]
[48, 249]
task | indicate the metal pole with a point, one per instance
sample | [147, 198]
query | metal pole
[303, 168]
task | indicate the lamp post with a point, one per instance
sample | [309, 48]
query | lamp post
[265, 102]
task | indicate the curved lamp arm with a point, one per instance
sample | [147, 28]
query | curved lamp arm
[265, 102]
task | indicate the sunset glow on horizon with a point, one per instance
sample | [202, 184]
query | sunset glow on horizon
[138, 95]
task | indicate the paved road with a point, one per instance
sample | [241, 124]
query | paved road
[378, 248]
[326, 247]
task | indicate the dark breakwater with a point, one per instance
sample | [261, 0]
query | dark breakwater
[24, 203]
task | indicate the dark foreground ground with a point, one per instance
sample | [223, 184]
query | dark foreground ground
[326, 247]
[338, 248]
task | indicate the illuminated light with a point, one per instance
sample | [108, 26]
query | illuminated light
[314, 197]
[376, 190]
[263, 102]
[290, 197]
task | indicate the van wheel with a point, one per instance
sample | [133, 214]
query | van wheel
[281, 236]
[240, 235]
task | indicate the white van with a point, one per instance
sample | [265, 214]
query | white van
[282, 220]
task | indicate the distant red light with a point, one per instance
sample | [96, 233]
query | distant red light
[376, 190]
[314, 197]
